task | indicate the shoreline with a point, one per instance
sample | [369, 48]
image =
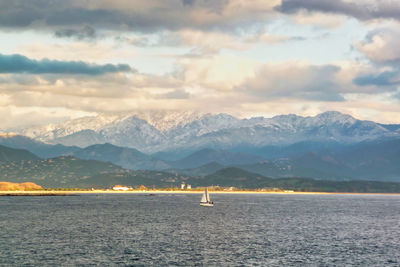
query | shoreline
[84, 192]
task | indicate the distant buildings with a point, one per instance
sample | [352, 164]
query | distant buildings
[188, 186]
[121, 188]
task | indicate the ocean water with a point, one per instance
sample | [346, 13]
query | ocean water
[174, 230]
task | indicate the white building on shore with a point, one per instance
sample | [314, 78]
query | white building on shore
[121, 188]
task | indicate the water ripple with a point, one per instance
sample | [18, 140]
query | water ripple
[171, 230]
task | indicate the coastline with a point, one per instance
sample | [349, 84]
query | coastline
[84, 192]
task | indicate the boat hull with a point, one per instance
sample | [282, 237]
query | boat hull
[207, 204]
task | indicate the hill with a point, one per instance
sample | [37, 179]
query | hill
[128, 158]
[5, 186]
[375, 160]
[300, 148]
[243, 179]
[203, 170]
[36, 147]
[231, 177]
[8, 154]
[56, 172]
[70, 172]
[222, 157]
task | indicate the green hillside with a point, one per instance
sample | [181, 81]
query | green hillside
[71, 172]
[56, 172]
[8, 154]
[232, 177]
[127, 158]
[243, 179]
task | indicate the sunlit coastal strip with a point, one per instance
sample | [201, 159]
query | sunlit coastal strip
[152, 192]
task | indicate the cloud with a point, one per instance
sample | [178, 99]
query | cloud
[382, 45]
[188, 2]
[21, 64]
[297, 87]
[210, 55]
[295, 81]
[139, 41]
[216, 72]
[176, 94]
[96, 52]
[202, 43]
[19, 79]
[360, 9]
[268, 38]
[86, 32]
[324, 20]
[221, 75]
[14, 118]
[142, 16]
[386, 78]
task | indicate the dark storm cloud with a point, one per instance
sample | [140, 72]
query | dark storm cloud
[22, 64]
[387, 78]
[362, 10]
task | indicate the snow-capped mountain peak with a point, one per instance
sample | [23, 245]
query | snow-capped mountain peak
[154, 131]
[161, 120]
[335, 117]
[166, 120]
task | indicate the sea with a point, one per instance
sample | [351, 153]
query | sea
[174, 230]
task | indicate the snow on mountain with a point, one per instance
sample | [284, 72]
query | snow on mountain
[167, 120]
[53, 131]
[159, 130]
[161, 120]
[206, 124]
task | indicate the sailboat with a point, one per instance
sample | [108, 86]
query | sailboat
[205, 199]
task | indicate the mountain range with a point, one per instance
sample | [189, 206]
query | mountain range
[184, 132]
[329, 146]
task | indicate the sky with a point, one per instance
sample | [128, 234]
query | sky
[62, 60]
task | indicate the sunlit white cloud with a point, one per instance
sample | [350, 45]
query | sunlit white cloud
[382, 45]
[295, 80]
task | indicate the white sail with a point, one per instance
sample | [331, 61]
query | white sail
[204, 198]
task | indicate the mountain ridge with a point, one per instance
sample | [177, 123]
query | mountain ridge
[157, 132]
[8, 154]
